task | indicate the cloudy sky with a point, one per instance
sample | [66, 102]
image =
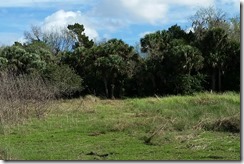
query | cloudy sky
[103, 19]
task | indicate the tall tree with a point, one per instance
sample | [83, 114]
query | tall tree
[156, 46]
[81, 56]
[170, 56]
[23, 59]
[232, 69]
[235, 29]
[81, 39]
[60, 39]
[214, 45]
[115, 62]
[187, 58]
[208, 18]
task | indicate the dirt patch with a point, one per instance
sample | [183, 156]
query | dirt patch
[98, 156]
[2, 155]
[96, 133]
[215, 157]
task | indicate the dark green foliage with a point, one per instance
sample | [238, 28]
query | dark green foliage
[82, 39]
[187, 84]
[65, 80]
[176, 32]
[217, 55]
[37, 58]
[232, 74]
[21, 60]
[115, 62]
[3, 62]
[174, 62]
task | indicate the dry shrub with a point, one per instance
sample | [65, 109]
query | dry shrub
[88, 103]
[226, 124]
[144, 114]
[91, 98]
[21, 96]
[122, 125]
[204, 101]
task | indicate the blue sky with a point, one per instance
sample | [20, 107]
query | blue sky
[103, 19]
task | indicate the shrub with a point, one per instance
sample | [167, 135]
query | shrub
[64, 78]
[22, 96]
[227, 124]
[187, 84]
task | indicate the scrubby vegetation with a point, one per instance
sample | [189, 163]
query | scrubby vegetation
[193, 77]
[23, 96]
[174, 62]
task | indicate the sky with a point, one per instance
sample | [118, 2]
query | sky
[128, 20]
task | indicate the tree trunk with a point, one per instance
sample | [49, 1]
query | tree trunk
[153, 84]
[213, 80]
[112, 91]
[106, 86]
[219, 80]
[113, 86]
[122, 90]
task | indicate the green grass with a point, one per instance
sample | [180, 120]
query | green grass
[200, 127]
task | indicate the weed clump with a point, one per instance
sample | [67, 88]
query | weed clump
[91, 98]
[227, 124]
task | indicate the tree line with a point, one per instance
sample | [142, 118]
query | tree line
[173, 62]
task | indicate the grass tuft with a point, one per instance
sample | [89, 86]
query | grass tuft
[227, 124]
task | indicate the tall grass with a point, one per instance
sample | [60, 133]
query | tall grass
[197, 111]
[200, 127]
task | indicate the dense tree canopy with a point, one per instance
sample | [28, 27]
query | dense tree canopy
[174, 61]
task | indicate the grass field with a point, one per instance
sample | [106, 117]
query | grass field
[200, 127]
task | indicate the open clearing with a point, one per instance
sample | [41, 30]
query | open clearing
[199, 127]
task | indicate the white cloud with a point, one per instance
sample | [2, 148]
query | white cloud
[61, 19]
[141, 35]
[110, 16]
[147, 11]
[41, 3]
[189, 29]
[133, 11]
[151, 11]
[191, 3]
[22, 40]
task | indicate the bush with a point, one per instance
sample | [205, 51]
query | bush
[22, 96]
[187, 84]
[66, 81]
[228, 124]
